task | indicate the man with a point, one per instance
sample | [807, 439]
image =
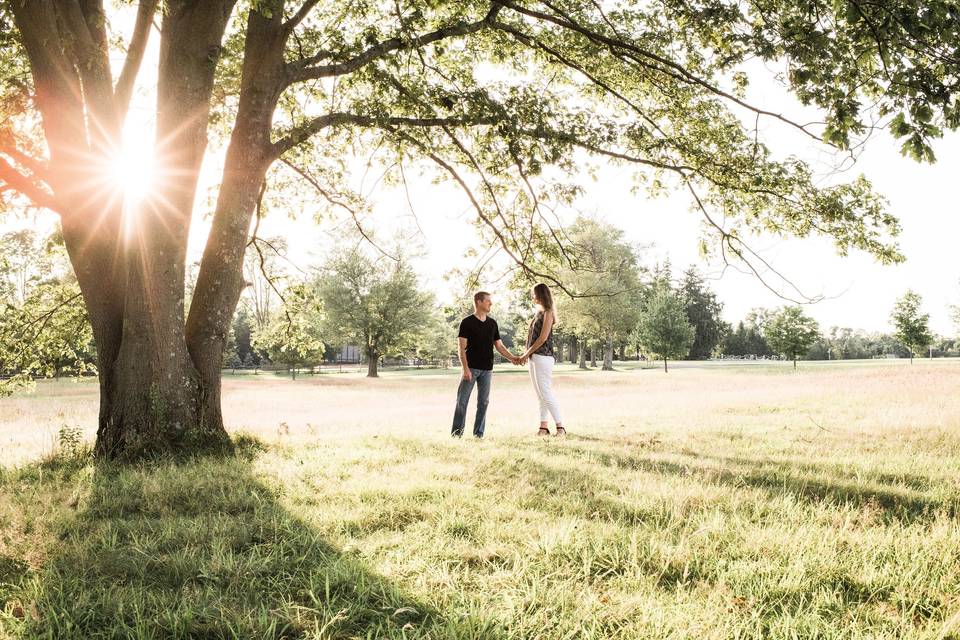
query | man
[478, 336]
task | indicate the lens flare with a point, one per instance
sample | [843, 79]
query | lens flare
[132, 171]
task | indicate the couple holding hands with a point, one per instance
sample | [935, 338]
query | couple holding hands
[479, 335]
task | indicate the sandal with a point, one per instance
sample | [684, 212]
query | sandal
[543, 431]
[561, 432]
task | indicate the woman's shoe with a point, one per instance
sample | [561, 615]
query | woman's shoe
[560, 432]
[543, 431]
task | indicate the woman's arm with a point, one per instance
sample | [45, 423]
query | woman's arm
[544, 334]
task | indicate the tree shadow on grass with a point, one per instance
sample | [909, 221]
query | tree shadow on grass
[204, 549]
[807, 482]
[561, 490]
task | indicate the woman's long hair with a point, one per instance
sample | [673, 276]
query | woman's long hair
[543, 296]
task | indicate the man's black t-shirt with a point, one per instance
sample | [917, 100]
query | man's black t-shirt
[480, 337]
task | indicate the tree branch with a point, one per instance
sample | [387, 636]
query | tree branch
[300, 70]
[37, 167]
[131, 65]
[666, 65]
[729, 240]
[24, 185]
[338, 203]
[299, 16]
[301, 133]
[446, 166]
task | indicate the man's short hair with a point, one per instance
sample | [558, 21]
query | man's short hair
[480, 296]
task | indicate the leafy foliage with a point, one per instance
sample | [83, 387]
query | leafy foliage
[44, 331]
[890, 63]
[704, 313]
[664, 329]
[293, 338]
[790, 332]
[376, 303]
[911, 326]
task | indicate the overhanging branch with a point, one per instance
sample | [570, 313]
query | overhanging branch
[314, 126]
[302, 70]
[650, 60]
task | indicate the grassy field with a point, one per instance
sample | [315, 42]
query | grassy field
[718, 502]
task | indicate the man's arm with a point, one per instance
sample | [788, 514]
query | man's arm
[462, 352]
[505, 352]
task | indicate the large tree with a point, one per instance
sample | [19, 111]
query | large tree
[489, 93]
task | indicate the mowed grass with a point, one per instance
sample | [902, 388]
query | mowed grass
[722, 502]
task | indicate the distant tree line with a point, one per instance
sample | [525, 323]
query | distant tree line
[371, 305]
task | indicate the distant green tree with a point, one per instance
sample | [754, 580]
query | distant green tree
[242, 329]
[292, 337]
[437, 341]
[911, 327]
[704, 313]
[376, 303]
[664, 329]
[790, 332]
[603, 271]
[745, 340]
[25, 261]
[44, 330]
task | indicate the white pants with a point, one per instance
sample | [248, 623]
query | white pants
[541, 374]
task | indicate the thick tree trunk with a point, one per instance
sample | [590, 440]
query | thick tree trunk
[220, 281]
[573, 351]
[593, 354]
[372, 361]
[583, 354]
[665, 365]
[608, 355]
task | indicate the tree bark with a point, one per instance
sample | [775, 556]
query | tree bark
[593, 354]
[131, 275]
[582, 349]
[608, 355]
[573, 350]
[665, 365]
[220, 280]
[372, 361]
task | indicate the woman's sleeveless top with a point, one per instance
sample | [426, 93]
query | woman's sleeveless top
[536, 326]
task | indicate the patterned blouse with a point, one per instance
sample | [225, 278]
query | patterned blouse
[536, 326]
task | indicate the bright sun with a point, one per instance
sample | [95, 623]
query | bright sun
[132, 170]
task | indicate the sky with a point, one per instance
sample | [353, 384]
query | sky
[858, 292]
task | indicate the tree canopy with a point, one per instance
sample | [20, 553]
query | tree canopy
[911, 325]
[376, 303]
[663, 328]
[790, 332]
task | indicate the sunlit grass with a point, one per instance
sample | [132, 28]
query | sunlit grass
[713, 503]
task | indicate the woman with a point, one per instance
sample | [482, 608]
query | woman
[540, 353]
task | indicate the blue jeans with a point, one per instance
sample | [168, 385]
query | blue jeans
[482, 378]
